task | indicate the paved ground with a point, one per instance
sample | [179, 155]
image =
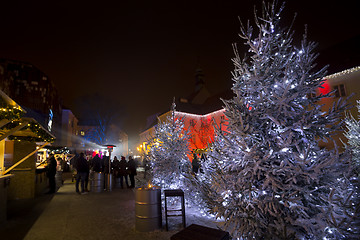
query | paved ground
[22, 214]
[67, 215]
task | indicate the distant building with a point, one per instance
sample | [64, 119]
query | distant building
[345, 83]
[88, 132]
[92, 138]
[120, 139]
[32, 89]
[69, 130]
[198, 112]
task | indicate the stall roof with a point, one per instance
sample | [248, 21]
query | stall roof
[15, 127]
[9, 102]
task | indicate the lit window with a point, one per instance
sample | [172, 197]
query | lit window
[340, 90]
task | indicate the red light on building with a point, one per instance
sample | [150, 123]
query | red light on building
[325, 87]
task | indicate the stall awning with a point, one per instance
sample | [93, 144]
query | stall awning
[16, 127]
[26, 129]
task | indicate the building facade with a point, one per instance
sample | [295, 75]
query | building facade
[69, 130]
[33, 90]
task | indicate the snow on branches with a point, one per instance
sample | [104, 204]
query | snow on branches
[168, 153]
[266, 176]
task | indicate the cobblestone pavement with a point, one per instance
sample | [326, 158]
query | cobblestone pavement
[68, 215]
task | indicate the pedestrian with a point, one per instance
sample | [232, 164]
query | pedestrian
[115, 167]
[195, 163]
[51, 172]
[123, 172]
[60, 168]
[82, 168]
[105, 162]
[96, 164]
[132, 171]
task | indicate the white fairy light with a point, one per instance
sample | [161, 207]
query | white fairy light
[345, 72]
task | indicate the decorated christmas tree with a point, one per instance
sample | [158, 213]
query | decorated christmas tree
[266, 176]
[345, 197]
[353, 136]
[169, 153]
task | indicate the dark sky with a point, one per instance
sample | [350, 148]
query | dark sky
[141, 53]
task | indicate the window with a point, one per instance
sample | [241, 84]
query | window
[311, 95]
[340, 90]
[82, 133]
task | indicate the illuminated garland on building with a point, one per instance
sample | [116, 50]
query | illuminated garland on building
[345, 72]
[8, 112]
[41, 134]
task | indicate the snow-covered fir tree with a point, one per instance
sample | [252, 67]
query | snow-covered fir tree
[266, 176]
[169, 153]
[353, 136]
[345, 198]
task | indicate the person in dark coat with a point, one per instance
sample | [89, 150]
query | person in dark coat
[132, 171]
[82, 168]
[51, 172]
[123, 172]
[195, 163]
[96, 164]
[105, 162]
[115, 167]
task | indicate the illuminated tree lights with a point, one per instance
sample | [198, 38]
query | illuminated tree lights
[168, 155]
[266, 176]
[346, 198]
[353, 136]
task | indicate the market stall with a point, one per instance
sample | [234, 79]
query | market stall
[20, 139]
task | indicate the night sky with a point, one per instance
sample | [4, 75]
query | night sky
[142, 53]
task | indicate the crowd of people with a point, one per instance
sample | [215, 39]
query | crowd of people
[119, 170]
[82, 167]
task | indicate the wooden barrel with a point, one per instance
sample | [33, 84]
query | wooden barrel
[97, 182]
[148, 209]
